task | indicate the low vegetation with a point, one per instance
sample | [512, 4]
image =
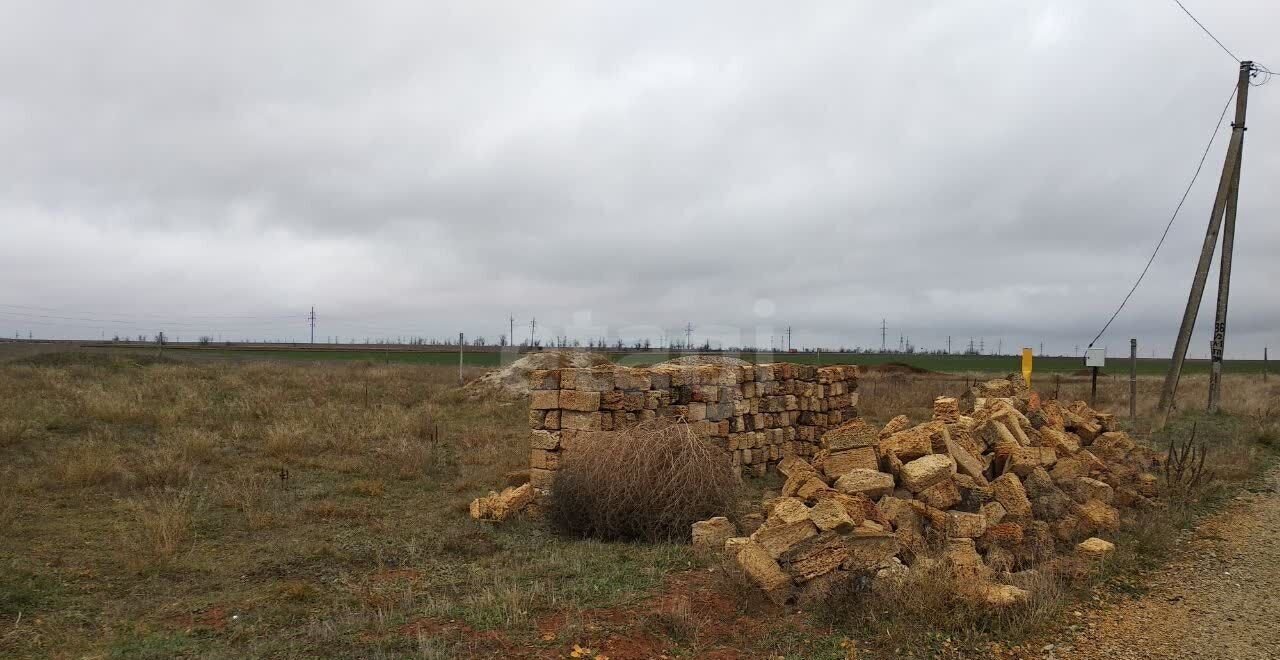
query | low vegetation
[161, 509]
[152, 507]
[650, 483]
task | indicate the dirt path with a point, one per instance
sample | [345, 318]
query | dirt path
[1219, 599]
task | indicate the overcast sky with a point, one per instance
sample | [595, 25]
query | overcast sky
[995, 170]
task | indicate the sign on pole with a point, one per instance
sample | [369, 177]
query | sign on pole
[1026, 366]
[1094, 358]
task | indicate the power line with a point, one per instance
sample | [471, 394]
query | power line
[1216, 127]
[1206, 31]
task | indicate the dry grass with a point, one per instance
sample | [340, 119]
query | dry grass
[882, 396]
[142, 504]
[158, 527]
[931, 603]
[648, 483]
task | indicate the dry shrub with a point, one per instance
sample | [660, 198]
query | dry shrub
[12, 431]
[367, 487]
[406, 458]
[159, 528]
[649, 483]
[162, 467]
[89, 463]
[255, 494]
[287, 439]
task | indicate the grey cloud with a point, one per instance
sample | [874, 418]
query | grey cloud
[997, 169]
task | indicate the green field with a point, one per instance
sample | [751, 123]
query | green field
[939, 363]
[488, 358]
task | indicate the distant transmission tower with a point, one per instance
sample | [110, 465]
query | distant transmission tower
[688, 335]
[312, 319]
[883, 330]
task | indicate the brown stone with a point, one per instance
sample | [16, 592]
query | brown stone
[1008, 491]
[580, 421]
[1095, 548]
[1092, 489]
[1098, 515]
[966, 463]
[921, 473]
[962, 557]
[711, 535]
[497, 507]
[544, 460]
[1002, 595]
[1061, 441]
[946, 409]
[1112, 446]
[763, 570]
[544, 440]
[965, 525]
[541, 479]
[829, 514]
[994, 511]
[899, 423]
[942, 495]
[786, 510]
[579, 401]
[793, 465]
[834, 465]
[777, 539]
[910, 444]
[814, 556]
[871, 483]
[850, 435]
[544, 399]
[867, 549]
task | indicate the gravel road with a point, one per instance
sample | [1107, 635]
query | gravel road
[1219, 599]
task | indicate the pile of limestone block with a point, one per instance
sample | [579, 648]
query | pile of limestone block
[997, 482]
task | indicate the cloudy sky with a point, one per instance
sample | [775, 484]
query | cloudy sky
[997, 170]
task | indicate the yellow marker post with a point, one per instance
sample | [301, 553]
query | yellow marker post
[1026, 365]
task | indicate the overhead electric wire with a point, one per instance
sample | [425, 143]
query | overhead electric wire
[1199, 166]
[1206, 31]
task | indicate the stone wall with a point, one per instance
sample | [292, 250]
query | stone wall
[760, 413]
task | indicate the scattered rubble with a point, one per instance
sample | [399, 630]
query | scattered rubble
[512, 381]
[498, 507]
[998, 480]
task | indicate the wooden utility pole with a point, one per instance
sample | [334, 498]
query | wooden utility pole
[1228, 190]
[460, 345]
[1133, 382]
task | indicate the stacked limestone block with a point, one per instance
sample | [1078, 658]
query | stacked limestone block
[997, 482]
[759, 413]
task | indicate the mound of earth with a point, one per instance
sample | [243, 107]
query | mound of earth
[703, 360]
[512, 381]
[894, 368]
[94, 359]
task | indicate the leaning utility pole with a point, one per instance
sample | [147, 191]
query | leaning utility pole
[1224, 205]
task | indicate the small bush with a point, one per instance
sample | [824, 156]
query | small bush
[159, 529]
[649, 483]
